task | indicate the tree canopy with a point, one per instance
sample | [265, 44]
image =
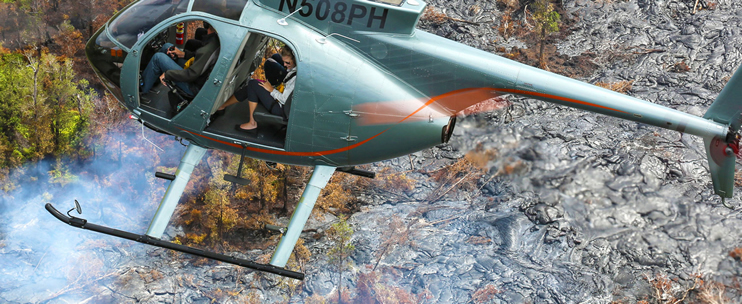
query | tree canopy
[44, 110]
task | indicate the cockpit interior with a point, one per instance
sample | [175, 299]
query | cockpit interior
[131, 31]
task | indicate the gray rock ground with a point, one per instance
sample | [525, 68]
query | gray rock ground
[600, 204]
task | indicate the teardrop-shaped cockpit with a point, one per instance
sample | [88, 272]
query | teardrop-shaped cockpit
[108, 48]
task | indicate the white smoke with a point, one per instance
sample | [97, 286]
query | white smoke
[42, 258]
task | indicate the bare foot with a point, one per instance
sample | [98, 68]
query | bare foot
[249, 126]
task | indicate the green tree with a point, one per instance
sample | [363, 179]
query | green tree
[547, 22]
[14, 89]
[340, 234]
[44, 110]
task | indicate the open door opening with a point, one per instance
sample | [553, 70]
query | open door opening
[191, 49]
[272, 112]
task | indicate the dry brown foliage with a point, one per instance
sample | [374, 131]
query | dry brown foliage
[485, 295]
[713, 293]
[680, 67]
[150, 276]
[463, 174]
[671, 291]
[375, 288]
[738, 178]
[398, 234]
[619, 86]
[346, 294]
[736, 253]
[337, 194]
[479, 240]
[510, 4]
[434, 16]
[70, 40]
[315, 299]
[480, 157]
[389, 180]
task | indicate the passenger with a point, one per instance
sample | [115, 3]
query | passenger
[165, 66]
[265, 93]
[275, 70]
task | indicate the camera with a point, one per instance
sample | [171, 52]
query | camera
[171, 54]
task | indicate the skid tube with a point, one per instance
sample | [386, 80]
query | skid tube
[145, 239]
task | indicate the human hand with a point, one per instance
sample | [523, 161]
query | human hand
[178, 53]
[267, 86]
[162, 79]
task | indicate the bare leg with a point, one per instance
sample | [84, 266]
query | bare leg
[252, 124]
[232, 100]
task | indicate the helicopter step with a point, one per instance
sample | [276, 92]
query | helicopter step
[274, 228]
[358, 172]
[162, 175]
[237, 179]
[145, 239]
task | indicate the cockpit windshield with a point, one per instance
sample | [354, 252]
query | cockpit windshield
[231, 9]
[128, 27]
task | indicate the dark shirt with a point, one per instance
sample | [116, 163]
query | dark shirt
[196, 69]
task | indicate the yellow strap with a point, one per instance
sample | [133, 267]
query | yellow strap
[189, 62]
[280, 87]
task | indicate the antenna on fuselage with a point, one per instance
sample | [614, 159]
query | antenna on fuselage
[283, 22]
[323, 40]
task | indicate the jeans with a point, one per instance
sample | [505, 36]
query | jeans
[159, 64]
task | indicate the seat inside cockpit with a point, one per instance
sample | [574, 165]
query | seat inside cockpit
[272, 128]
[189, 37]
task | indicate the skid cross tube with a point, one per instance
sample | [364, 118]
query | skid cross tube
[237, 179]
[145, 239]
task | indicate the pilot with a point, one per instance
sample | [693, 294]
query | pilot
[185, 70]
[266, 93]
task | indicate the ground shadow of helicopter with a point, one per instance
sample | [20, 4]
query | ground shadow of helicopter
[369, 87]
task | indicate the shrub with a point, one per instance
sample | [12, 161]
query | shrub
[620, 86]
[375, 288]
[485, 294]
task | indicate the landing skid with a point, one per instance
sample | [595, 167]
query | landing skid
[290, 235]
[145, 239]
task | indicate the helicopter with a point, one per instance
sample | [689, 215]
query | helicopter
[370, 86]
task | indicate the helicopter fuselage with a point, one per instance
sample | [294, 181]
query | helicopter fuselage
[370, 86]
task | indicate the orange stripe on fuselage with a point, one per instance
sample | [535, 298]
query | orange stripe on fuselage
[428, 103]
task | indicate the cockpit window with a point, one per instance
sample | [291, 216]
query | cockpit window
[231, 9]
[107, 59]
[128, 27]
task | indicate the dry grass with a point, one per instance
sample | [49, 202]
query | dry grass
[485, 294]
[736, 253]
[672, 291]
[376, 288]
[479, 240]
[461, 175]
[389, 180]
[510, 4]
[398, 234]
[680, 67]
[619, 86]
[713, 293]
[315, 299]
[738, 178]
[432, 15]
